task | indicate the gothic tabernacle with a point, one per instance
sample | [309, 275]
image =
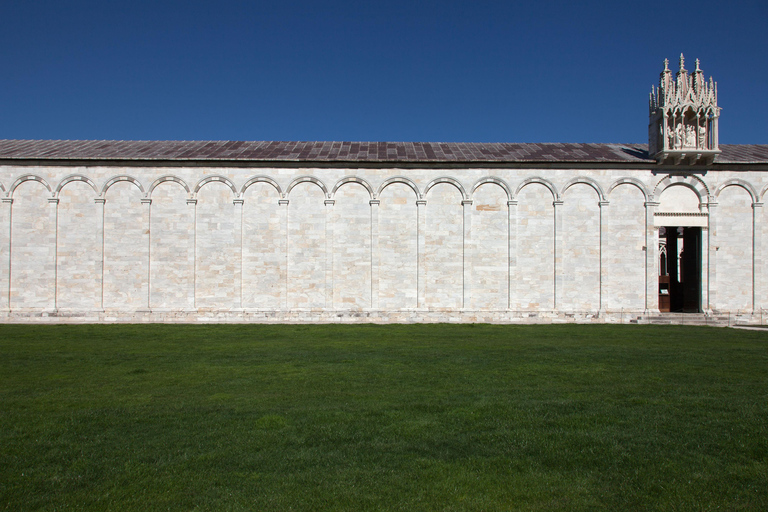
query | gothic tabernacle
[158, 231]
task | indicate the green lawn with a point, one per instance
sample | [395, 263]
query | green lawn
[400, 417]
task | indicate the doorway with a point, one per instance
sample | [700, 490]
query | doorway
[680, 269]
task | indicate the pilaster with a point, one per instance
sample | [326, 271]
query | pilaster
[102, 202]
[283, 211]
[192, 203]
[238, 234]
[329, 253]
[5, 263]
[558, 254]
[375, 257]
[147, 202]
[421, 226]
[466, 254]
[712, 244]
[651, 259]
[757, 260]
[513, 276]
[602, 205]
[54, 216]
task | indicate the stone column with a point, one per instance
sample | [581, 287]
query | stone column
[513, 276]
[54, 202]
[558, 253]
[239, 260]
[466, 254]
[602, 205]
[421, 296]
[329, 253]
[716, 136]
[101, 201]
[757, 260]
[192, 203]
[148, 209]
[5, 282]
[651, 260]
[712, 243]
[375, 253]
[284, 221]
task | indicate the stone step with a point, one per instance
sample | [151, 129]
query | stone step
[719, 320]
[682, 319]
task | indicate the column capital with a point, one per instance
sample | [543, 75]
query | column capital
[757, 205]
[650, 204]
[8, 200]
[53, 200]
[99, 200]
[191, 201]
[238, 202]
[146, 200]
[421, 202]
[282, 202]
[466, 202]
[558, 202]
[603, 203]
[329, 202]
[374, 202]
[512, 203]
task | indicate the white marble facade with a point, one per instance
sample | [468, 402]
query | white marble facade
[375, 244]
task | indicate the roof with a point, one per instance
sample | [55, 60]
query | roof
[361, 152]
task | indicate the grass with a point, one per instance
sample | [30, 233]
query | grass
[399, 417]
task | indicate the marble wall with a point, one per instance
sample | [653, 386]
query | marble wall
[111, 240]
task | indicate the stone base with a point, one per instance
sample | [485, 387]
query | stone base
[327, 316]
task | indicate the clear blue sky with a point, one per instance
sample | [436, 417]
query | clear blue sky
[459, 71]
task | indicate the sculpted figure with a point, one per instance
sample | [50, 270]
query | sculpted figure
[690, 138]
[702, 136]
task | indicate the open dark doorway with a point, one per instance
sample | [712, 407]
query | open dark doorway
[680, 269]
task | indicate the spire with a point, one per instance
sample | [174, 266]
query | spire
[699, 83]
[666, 88]
[682, 80]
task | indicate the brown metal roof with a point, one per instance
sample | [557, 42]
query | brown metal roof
[383, 152]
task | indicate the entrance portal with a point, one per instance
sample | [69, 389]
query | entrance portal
[680, 269]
